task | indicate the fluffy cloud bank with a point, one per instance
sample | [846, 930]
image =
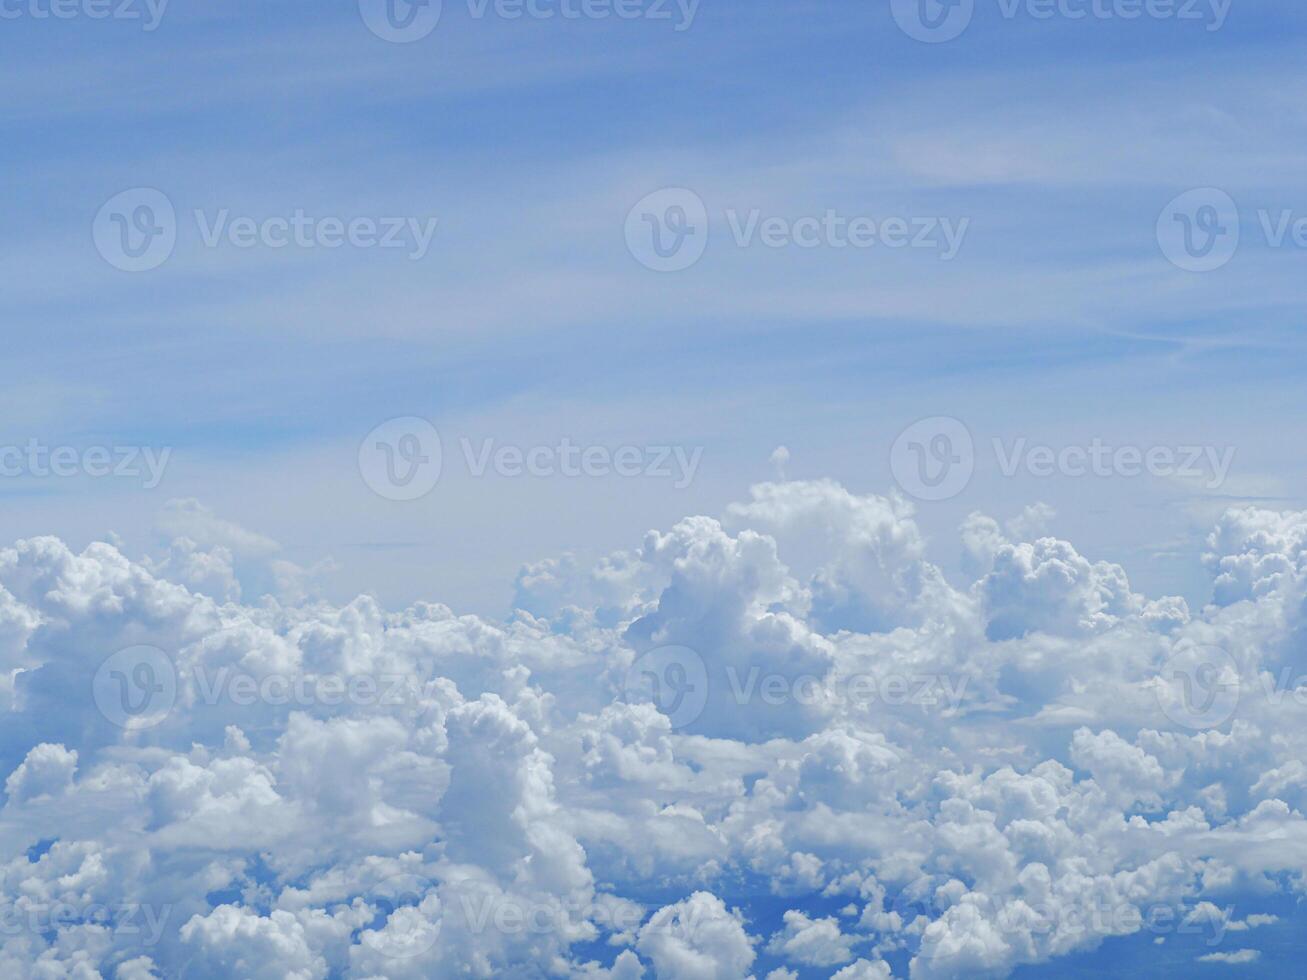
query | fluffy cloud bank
[211, 774]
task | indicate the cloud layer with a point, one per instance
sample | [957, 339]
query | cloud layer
[210, 773]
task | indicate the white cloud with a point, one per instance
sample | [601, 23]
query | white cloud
[47, 771]
[864, 970]
[813, 942]
[325, 786]
[1236, 958]
[233, 941]
[698, 939]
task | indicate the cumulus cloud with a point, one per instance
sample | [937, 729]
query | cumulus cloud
[699, 939]
[211, 774]
[864, 970]
[232, 941]
[47, 770]
[814, 942]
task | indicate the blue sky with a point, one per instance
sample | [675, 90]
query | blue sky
[529, 140]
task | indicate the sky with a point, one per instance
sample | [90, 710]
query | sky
[332, 315]
[1059, 141]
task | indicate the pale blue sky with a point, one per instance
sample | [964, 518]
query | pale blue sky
[1059, 320]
